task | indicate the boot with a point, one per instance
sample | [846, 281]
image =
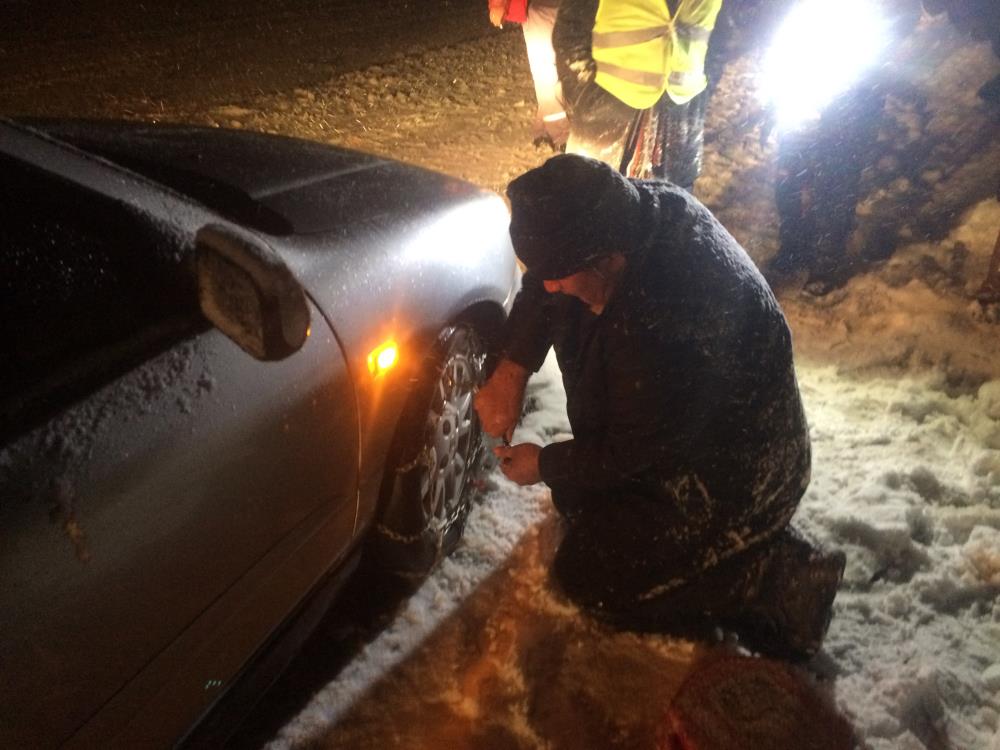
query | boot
[787, 609]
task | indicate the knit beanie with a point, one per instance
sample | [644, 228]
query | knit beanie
[570, 212]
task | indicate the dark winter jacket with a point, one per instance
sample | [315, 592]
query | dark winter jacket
[687, 373]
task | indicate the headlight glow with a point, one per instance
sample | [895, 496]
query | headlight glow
[818, 52]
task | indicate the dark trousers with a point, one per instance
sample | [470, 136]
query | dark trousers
[641, 563]
[679, 144]
[664, 142]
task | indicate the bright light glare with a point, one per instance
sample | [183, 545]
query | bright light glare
[818, 52]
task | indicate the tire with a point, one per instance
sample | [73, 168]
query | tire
[435, 456]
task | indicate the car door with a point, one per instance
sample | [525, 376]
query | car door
[165, 499]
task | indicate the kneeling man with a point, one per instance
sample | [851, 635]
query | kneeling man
[690, 448]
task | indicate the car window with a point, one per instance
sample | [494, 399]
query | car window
[89, 287]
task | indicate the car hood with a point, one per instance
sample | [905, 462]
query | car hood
[274, 184]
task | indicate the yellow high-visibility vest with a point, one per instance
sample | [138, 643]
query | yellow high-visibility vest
[641, 51]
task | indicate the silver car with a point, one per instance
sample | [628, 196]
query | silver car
[228, 358]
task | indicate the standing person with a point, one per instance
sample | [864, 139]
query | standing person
[633, 75]
[537, 19]
[690, 447]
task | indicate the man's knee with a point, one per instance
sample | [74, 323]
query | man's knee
[571, 503]
[592, 567]
[571, 574]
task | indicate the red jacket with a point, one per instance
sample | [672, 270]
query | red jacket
[515, 11]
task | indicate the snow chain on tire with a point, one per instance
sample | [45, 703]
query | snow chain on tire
[426, 498]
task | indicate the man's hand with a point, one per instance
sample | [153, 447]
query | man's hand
[520, 462]
[498, 402]
[498, 9]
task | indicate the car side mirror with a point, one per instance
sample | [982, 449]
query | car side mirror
[249, 294]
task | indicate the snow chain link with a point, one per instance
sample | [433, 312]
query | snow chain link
[423, 458]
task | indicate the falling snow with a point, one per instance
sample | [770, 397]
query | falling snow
[900, 373]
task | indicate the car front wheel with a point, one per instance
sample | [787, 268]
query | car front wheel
[435, 457]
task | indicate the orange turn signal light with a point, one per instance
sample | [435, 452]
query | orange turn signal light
[383, 358]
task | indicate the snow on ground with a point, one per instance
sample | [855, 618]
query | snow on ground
[465, 110]
[899, 377]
